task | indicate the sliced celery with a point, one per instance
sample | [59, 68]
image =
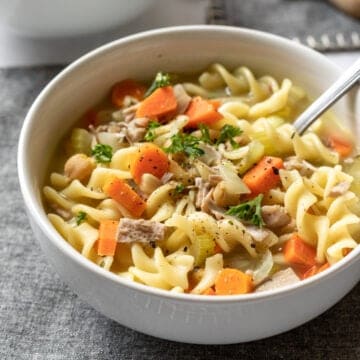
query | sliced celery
[255, 153]
[81, 141]
[353, 169]
[202, 247]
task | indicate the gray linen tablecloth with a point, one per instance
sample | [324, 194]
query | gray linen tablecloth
[40, 318]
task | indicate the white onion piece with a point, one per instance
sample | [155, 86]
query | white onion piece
[237, 261]
[233, 183]
[111, 139]
[211, 156]
[264, 268]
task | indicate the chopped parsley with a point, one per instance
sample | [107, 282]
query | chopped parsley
[161, 80]
[179, 188]
[80, 217]
[102, 153]
[150, 134]
[205, 135]
[184, 143]
[228, 132]
[249, 211]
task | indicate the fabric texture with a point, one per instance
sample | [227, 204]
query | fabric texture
[41, 318]
[315, 23]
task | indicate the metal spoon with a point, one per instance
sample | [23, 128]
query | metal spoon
[345, 82]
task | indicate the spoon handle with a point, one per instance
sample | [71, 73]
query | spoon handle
[330, 96]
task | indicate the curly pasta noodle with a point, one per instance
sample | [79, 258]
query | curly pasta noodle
[213, 176]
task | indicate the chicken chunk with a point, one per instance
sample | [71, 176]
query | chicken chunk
[136, 129]
[182, 98]
[275, 216]
[340, 189]
[203, 189]
[304, 167]
[143, 231]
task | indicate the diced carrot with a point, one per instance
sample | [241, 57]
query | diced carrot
[315, 269]
[232, 281]
[160, 103]
[149, 159]
[341, 146]
[107, 238]
[125, 88]
[346, 251]
[218, 249]
[323, 267]
[201, 111]
[215, 103]
[209, 291]
[298, 252]
[122, 193]
[263, 176]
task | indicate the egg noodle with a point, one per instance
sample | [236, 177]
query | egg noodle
[204, 186]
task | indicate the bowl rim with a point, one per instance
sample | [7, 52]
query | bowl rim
[37, 212]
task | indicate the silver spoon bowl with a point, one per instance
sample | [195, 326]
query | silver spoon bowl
[346, 81]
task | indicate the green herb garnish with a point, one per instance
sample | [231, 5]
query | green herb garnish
[150, 134]
[102, 153]
[80, 217]
[179, 188]
[228, 132]
[161, 80]
[205, 134]
[184, 143]
[249, 211]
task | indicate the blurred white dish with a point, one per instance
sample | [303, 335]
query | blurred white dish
[50, 18]
[179, 317]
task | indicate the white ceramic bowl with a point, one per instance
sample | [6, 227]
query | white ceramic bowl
[179, 317]
[53, 18]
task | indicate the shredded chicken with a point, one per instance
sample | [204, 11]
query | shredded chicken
[340, 189]
[279, 279]
[65, 214]
[275, 216]
[112, 127]
[136, 129]
[208, 205]
[289, 228]
[203, 189]
[182, 98]
[214, 179]
[304, 167]
[143, 231]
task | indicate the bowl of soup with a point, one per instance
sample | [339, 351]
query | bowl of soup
[170, 190]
